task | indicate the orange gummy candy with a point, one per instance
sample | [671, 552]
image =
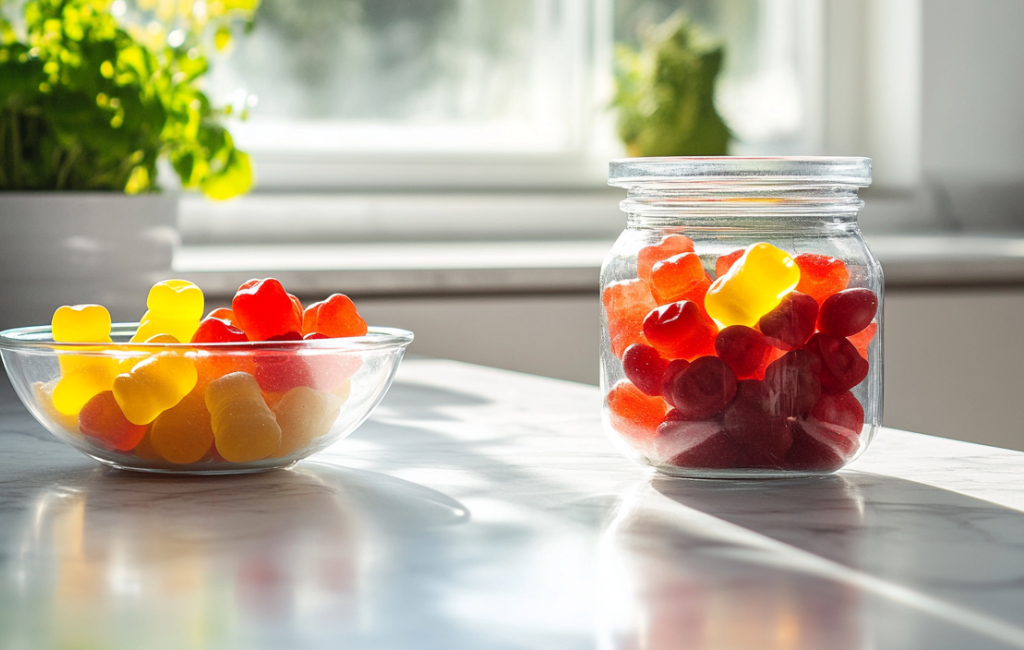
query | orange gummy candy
[669, 246]
[821, 275]
[223, 314]
[627, 303]
[102, 419]
[681, 277]
[183, 433]
[725, 262]
[335, 317]
[634, 414]
[862, 339]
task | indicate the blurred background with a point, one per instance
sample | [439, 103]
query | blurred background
[443, 162]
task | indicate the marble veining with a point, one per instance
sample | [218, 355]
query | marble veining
[481, 508]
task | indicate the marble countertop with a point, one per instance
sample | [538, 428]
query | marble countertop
[482, 508]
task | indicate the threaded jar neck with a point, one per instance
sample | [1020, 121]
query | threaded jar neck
[675, 191]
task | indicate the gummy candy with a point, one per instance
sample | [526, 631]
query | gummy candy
[244, 427]
[680, 331]
[213, 363]
[644, 367]
[744, 350]
[82, 376]
[183, 433]
[847, 312]
[224, 314]
[829, 435]
[753, 286]
[335, 317]
[127, 363]
[725, 262]
[764, 437]
[154, 385]
[697, 444]
[634, 414]
[681, 277]
[821, 275]
[175, 307]
[217, 330]
[144, 449]
[791, 385]
[702, 389]
[304, 415]
[862, 339]
[842, 366]
[672, 371]
[102, 420]
[44, 395]
[626, 303]
[263, 310]
[669, 246]
[789, 325]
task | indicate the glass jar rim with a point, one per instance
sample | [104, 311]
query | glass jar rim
[794, 170]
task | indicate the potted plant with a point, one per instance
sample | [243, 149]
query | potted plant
[93, 93]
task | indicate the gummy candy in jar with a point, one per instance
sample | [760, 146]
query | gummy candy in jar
[741, 320]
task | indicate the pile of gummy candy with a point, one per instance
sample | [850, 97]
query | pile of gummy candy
[751, 370]
[214, 403]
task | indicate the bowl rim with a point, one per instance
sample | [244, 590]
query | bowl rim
[40, 338]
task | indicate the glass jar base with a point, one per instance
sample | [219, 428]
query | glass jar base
[739, 473]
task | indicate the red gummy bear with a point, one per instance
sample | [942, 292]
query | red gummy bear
[645, 368]
[282, 370]
[847, 312]
[701, 444]
[862, 339]
[681, 277]
[680, 330]
[634, 414]
[216, 330]
[102, 420]
[745, 350]
[764, 438]
[626, 303]
[223, 314]
[842, 367]
[821, 275]
[263, 310]
[702, 389]
[672, 370]
[829, 435]
[669, 246]
[791, 385]
[789, 325]
[725, 262]
[336, 317]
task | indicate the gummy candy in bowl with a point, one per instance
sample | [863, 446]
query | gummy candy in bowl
[201, 408]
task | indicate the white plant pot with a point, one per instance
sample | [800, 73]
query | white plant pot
[67, 248]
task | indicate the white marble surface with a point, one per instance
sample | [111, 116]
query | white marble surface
[484, 509]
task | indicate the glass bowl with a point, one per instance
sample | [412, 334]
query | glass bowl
[201, 408]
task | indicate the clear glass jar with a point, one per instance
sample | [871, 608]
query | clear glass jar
[741, 317]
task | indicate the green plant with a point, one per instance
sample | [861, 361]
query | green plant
[665, 93]
[90, 101]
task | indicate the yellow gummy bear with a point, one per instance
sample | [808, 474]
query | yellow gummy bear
[304, 414]
[175, 308]
[81, 376]
[154, 385]
[244, 427]
[126, 364]
[753, 286]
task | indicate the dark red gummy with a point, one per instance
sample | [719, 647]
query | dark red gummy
[789, 325]
[830, 434]
[672, 371]
[764, 438]
[743, 349]
[680, 330]
[791, 384]
[699, 445]
[263, 310]
[847, 312]
[702, 389]
[644, 367]
[216, 330]
[841, 366]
